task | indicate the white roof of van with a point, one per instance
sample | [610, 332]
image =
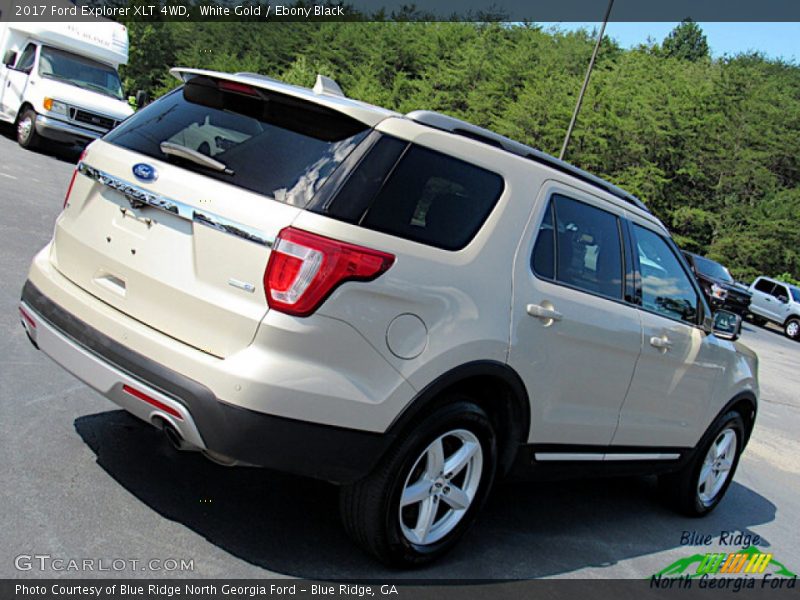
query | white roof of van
[104, 41]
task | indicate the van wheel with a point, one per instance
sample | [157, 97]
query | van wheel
[698, 488]
[427, 491]
[792, 328]
[26, 130]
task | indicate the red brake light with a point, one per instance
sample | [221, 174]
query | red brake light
[236, 87]
[72, 180]
[304, 268]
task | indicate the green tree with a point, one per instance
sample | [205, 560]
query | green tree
[687, 42]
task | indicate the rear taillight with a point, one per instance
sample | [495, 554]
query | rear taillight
[304, 268]
[72, 180]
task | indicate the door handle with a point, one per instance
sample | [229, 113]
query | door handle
[544, 313]
[662, 343]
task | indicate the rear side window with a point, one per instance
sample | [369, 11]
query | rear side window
[584, 250]
[418, 194]
[266, 142]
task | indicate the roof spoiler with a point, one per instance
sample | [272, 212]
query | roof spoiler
[323, 85]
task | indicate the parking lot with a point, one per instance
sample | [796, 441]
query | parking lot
[82, 480]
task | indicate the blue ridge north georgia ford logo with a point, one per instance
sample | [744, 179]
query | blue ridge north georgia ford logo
[144, 172]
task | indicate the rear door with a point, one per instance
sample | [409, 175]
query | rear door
[172, 215]
[574, 338]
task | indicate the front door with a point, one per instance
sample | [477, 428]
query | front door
[574, 339]
[16, 81]
[668, 400]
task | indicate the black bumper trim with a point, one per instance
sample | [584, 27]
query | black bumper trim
[335, 454]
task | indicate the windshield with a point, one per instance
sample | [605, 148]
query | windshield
[712, 269]
[275, 145]
[79, 71]
[795, 293]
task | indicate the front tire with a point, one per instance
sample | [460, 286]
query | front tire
[699, 487]
[26, 130]
[792, 329]
[426, 493]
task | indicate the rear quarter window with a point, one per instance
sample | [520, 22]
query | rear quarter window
[424, 195]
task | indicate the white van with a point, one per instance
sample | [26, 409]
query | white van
[59, 81]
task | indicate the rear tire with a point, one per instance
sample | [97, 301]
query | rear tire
[759, 321]
[441, 472]
[699, 487]
[26, 130]
[792, 329]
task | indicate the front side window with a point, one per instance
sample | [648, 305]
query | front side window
[666, 288]
[79, 71]
[25, 61]
[583, 250]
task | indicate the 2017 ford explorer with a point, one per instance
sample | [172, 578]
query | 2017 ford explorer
[408, 306]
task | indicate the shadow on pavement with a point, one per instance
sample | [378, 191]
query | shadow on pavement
[290, 525]
[62, 152]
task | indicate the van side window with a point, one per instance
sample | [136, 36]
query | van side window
[765, 286]
[583, 250]
[25, 62]
[666, 288]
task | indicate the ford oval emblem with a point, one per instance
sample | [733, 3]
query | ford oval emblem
[145, 172]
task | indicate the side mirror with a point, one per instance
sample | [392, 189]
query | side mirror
[727, 325]
[142, 98]
[10, 59]
[783, 299]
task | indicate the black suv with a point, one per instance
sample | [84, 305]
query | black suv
[718, 285]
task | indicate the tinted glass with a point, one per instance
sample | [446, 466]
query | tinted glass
[666, 288]
[25, 61]
[271, 144]
[712, 269]
[543, 261]
[588, 252]
[79, 71]
[795, 294]
[780, 291]
[435, 199]
[764, 286]
[355, 196]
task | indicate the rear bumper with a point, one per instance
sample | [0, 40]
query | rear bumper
[334, 454]
[62, 131]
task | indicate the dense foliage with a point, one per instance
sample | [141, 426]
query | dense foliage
[711, 145]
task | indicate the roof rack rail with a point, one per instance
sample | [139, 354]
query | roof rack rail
[459, 127]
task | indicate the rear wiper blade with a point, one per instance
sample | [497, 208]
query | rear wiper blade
[173, 149]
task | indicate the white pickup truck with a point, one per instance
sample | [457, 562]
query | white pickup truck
[60, 80]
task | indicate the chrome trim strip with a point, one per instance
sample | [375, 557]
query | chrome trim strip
[643, 456]
[45, 122]
[139, 197]
[558, 456]
[608, 456]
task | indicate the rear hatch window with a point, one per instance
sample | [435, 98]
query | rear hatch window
[262, 141]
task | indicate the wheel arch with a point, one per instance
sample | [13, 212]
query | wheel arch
[745, 404]
[22, 108]
[790, 317]
[481, 381]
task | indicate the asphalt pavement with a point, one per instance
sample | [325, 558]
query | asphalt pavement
[82, 480]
